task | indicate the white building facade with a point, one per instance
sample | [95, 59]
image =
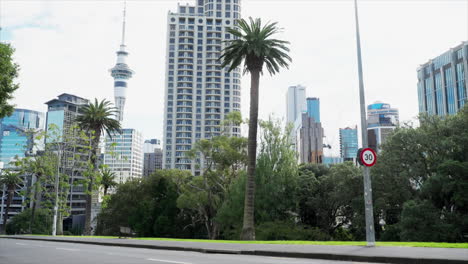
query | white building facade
[295, 103]
[124, 155]
[199, 92]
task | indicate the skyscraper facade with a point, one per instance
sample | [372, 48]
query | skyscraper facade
[121, 74]
[308, 139]
[17, 141]
[124, 154]
[295, 103]
[313, 108]
[62, 112]
[199, 92]
[152, 159]
[442, 82]
[382, 119]
[348, 143]
[14, 139]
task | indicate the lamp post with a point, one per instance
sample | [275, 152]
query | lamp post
[369, 211]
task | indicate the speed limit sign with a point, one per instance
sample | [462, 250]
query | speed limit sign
[368, 157]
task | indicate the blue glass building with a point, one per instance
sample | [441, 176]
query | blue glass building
[14, 142]
[348, 143]
[313, 108]
[442, 82]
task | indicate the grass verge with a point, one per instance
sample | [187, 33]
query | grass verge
[289, 242]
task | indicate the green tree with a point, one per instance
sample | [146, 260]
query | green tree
[223, 158]
[329, 201]
[8, 73]
[276, 181]
[10, 180]
[20, 223]
[148, 206]
[254, 46]
[428, 166]
[96, 118]
[107, 179]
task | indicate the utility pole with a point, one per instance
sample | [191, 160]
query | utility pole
[369, 211]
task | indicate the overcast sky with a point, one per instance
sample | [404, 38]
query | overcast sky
[69, 46]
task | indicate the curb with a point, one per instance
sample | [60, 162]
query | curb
[304, 255]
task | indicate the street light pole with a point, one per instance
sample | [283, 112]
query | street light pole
[54, 224]
[369, 211]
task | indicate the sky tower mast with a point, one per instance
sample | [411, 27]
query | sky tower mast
[121, 73]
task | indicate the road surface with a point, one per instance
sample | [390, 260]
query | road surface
[14, 251]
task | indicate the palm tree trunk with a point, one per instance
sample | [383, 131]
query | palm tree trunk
[248, 229]
[11, 193]
[89, 195]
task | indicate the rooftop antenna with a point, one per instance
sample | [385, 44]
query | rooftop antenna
[123, 23]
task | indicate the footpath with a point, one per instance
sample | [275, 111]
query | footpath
[404, 255]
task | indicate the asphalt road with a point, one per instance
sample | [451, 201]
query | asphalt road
[14, 251]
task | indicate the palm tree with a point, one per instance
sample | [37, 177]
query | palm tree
[107, 179]
[10, 180]
[96, 118]
[253, 46]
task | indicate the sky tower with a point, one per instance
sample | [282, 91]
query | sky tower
[121, 73]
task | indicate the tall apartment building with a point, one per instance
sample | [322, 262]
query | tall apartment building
[199, 92]
[348, 143]
[295, 103]
[15, 143]
[152, 159]
[62, 112]
[124, 154]
[442, 82]
[382, 119]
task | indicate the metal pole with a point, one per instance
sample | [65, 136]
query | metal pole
[54, 224]
[369, 212]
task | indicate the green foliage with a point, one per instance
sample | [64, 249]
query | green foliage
[8, 74]
[19, 224]
[276, 182]
[333, 199]
[148, 206]
[422, 175]
[254, 46]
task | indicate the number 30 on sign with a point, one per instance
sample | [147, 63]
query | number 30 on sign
[367, 157]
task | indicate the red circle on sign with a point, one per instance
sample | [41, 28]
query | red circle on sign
[368, 161]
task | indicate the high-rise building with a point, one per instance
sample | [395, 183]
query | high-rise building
[382, 119]
[295, 103]
[313, 108]
[124, 154]
[199, 92]
[348, 143]
[17, 141]
[308, 139]
[152, 159]
[442, 82]
[62, 112]
[151, 144]
[121, 74]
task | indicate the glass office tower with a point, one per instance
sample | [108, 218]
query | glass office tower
[348, 143]
[313, 108]
[14, 140]
[442, 82]
[199, 92]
